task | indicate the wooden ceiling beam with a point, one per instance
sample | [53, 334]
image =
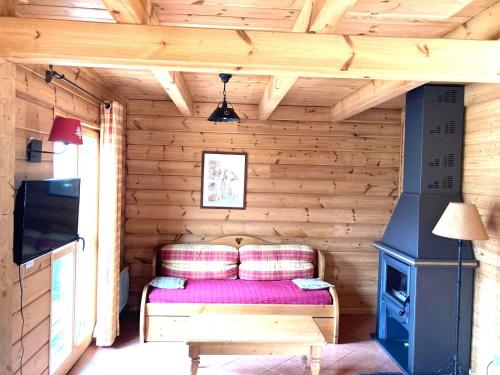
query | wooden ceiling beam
[370, 95]
[142, 12]
[279, 85]
[319, 16]
[132, 11]
[151, 13]
[8, 8]
[483, 26]
[303, 20]
[176, 87]
[326, 14]
[275, 91]
[248, 52]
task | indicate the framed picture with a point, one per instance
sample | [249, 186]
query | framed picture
[223, 180]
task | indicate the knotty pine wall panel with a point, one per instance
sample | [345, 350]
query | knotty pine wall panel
[33, 118]
[331, 186]
[7, 129]
[36, 104]
[481, 186]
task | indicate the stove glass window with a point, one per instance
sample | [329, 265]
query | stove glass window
[396, 284]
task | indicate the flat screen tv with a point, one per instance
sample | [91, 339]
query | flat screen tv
[45, 217]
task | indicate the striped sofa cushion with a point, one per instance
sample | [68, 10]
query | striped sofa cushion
[276, 262]
[199, 261]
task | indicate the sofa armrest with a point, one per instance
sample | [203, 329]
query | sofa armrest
[336, 313]
[142, 318]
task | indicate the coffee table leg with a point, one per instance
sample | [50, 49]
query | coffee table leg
[316, 352]
[194, 365]
[194, 354]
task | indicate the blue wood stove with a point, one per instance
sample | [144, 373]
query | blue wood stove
[417, 270]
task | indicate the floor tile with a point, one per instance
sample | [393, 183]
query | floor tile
[365, 359]
[241, 366]
[389, 366]
[212, 362]
[356, 353]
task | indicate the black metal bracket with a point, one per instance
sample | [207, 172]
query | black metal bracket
[34, 151]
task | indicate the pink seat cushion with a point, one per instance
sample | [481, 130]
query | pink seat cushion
[241, 291]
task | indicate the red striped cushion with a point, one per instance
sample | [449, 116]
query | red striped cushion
[268, 253]
[202, 273]
[247, 272]
[199, 261]
[276, 262]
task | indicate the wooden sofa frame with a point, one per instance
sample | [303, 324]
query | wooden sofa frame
[167, 321]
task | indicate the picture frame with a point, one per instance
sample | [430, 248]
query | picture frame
[223, 180]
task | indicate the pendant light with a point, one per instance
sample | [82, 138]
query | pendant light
[223, 113]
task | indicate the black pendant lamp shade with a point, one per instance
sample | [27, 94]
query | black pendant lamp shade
[223, 113]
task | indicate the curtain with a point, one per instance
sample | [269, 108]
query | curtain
[110, 223]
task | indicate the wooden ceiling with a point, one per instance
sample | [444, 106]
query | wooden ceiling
[77, 10]
[132, 84]
[320, 92]
[242, 89]
[423, 18]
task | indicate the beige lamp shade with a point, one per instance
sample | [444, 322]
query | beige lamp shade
[461, 221]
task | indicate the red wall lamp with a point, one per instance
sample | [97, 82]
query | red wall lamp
[66, 130]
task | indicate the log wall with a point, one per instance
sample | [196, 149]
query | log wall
[35, 106]
[332, 186]
[481, 186]
[7, 126]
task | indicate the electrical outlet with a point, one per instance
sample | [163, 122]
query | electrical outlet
[496, 360]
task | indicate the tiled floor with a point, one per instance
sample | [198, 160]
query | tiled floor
[355, 354]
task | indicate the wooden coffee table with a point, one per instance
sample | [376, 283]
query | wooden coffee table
[254, 334]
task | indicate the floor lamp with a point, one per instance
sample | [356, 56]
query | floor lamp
[460, 221]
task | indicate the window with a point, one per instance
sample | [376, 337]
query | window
[74, 275]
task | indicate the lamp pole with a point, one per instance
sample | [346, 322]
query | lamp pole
[456, 362]
[462, 222]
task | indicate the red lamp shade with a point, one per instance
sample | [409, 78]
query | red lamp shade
[66, 130]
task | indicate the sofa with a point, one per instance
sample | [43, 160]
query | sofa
[245, 286]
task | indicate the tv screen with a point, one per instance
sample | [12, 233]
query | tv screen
[45, 217]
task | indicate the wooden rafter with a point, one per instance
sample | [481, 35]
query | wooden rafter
[280, 84]
[275, 91]
[370, 95]
[313, 14]
[142, 12]
[150, 12]
[8, 8]
[484, 26]
[249, 52]
[303, 20]
[132, 11]
[326, 14]
[176, 87]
